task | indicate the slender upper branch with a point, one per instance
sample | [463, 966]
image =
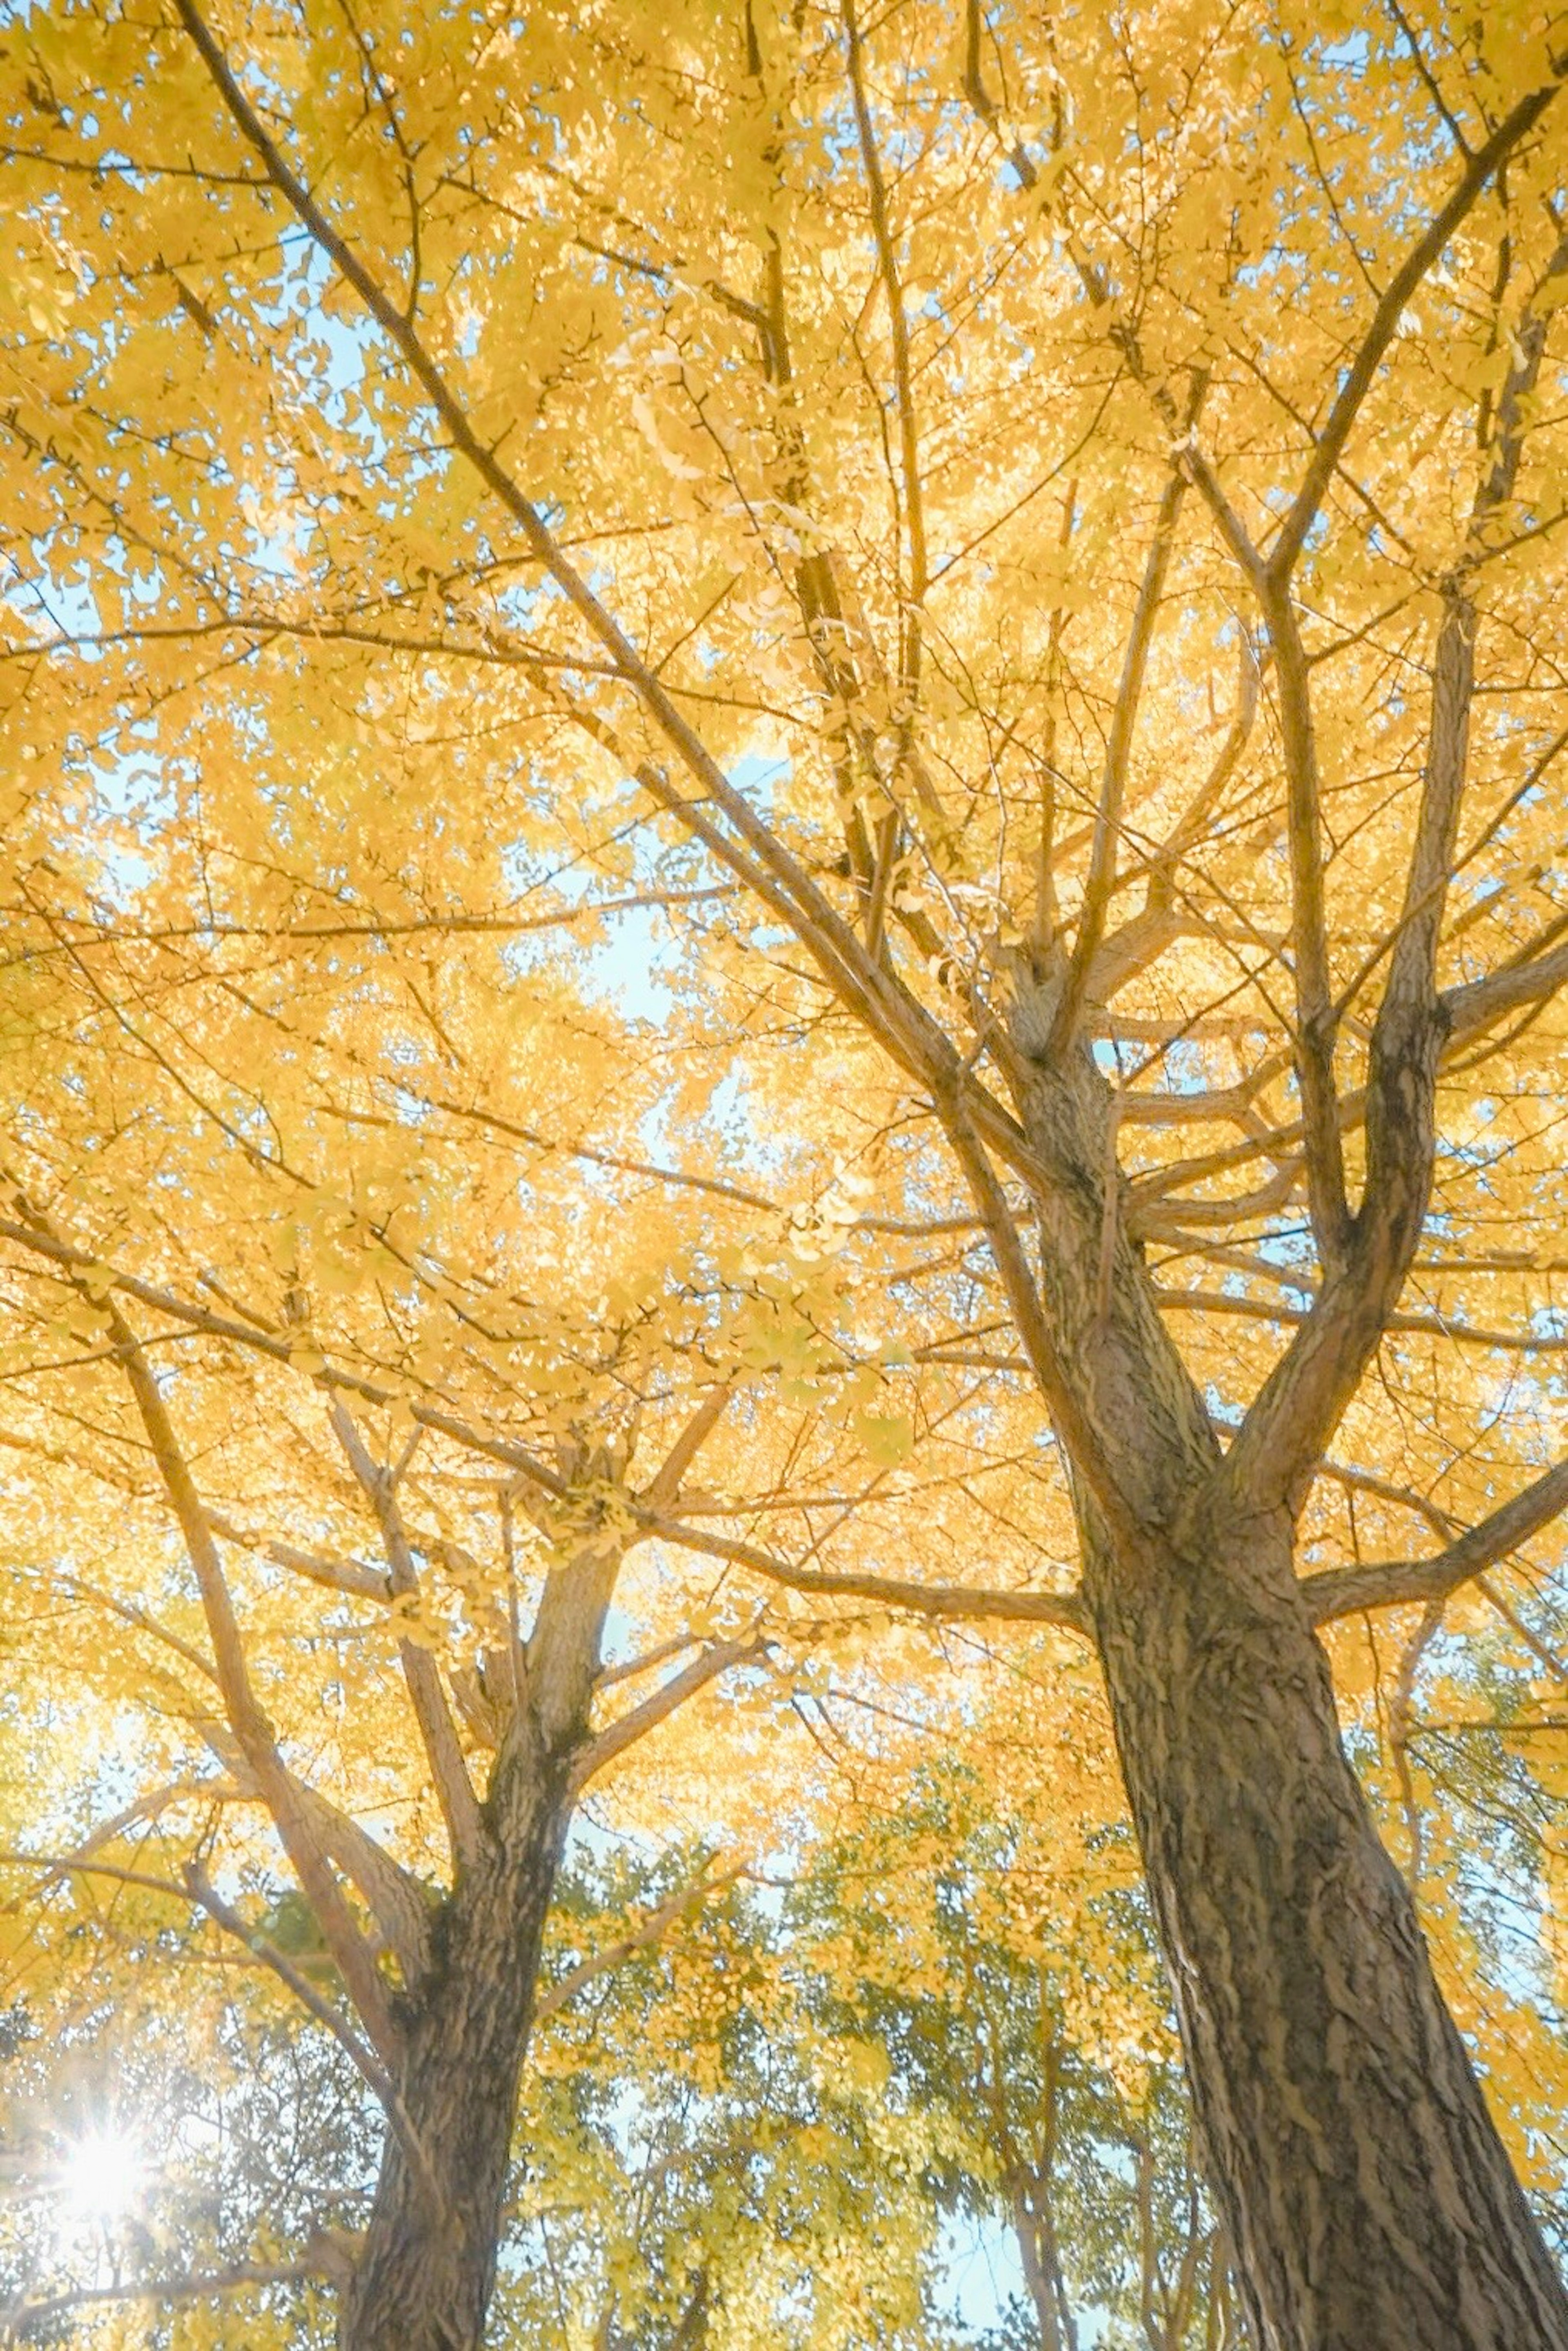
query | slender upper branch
[1118, 759]
[904, 393]
[1480, 170]
[1315, 1021]
[453, 1788]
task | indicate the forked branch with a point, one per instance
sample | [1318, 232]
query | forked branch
[251, 1728]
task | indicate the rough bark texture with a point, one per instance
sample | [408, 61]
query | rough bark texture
[424, 2278]
[1360, 2176]
[1368, 2195]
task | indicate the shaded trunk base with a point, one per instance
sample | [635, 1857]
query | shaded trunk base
[425, 2279]
[1362, 2183]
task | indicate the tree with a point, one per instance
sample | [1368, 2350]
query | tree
[1106, 468]
[417, 1623]
[702, 2163]
[344, 1545]
[781, 2109]
[1037, 2051]
[946, 2011]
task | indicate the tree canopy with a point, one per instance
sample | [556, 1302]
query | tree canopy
[784, 887]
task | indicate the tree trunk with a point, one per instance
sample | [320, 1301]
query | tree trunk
[692, 2331]
[1369, 2199]
[1035, 2236]
[424, 2276]
[427, 2267]
[1363, 2186]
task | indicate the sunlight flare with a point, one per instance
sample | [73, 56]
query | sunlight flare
[101, 2175]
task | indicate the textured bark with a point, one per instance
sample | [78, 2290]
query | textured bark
[1363, 2184]
[424, 2278]
[424, 2275]
[1362, 2180]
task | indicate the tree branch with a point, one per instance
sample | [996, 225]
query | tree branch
[1480, 169]
[1437, 1326]
[927, 1600]
[640, 1719]
[650, 1931]
[1118, 756]
[664, 1488]
[249, 1723]
[751, 849]
[375, 2075]
[1295, 1413]
[1316, 1017]
[1075, 1429]
[931, 1600]
[1398, 1584]
[1475, 1004]
[453, 1788]
[345, 1575]
[246, 1334]
[898, 326]
[22, 2320]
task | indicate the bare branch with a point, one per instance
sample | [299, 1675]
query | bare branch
[1398, 1584]
[630, 1668]
[1435, 1326]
